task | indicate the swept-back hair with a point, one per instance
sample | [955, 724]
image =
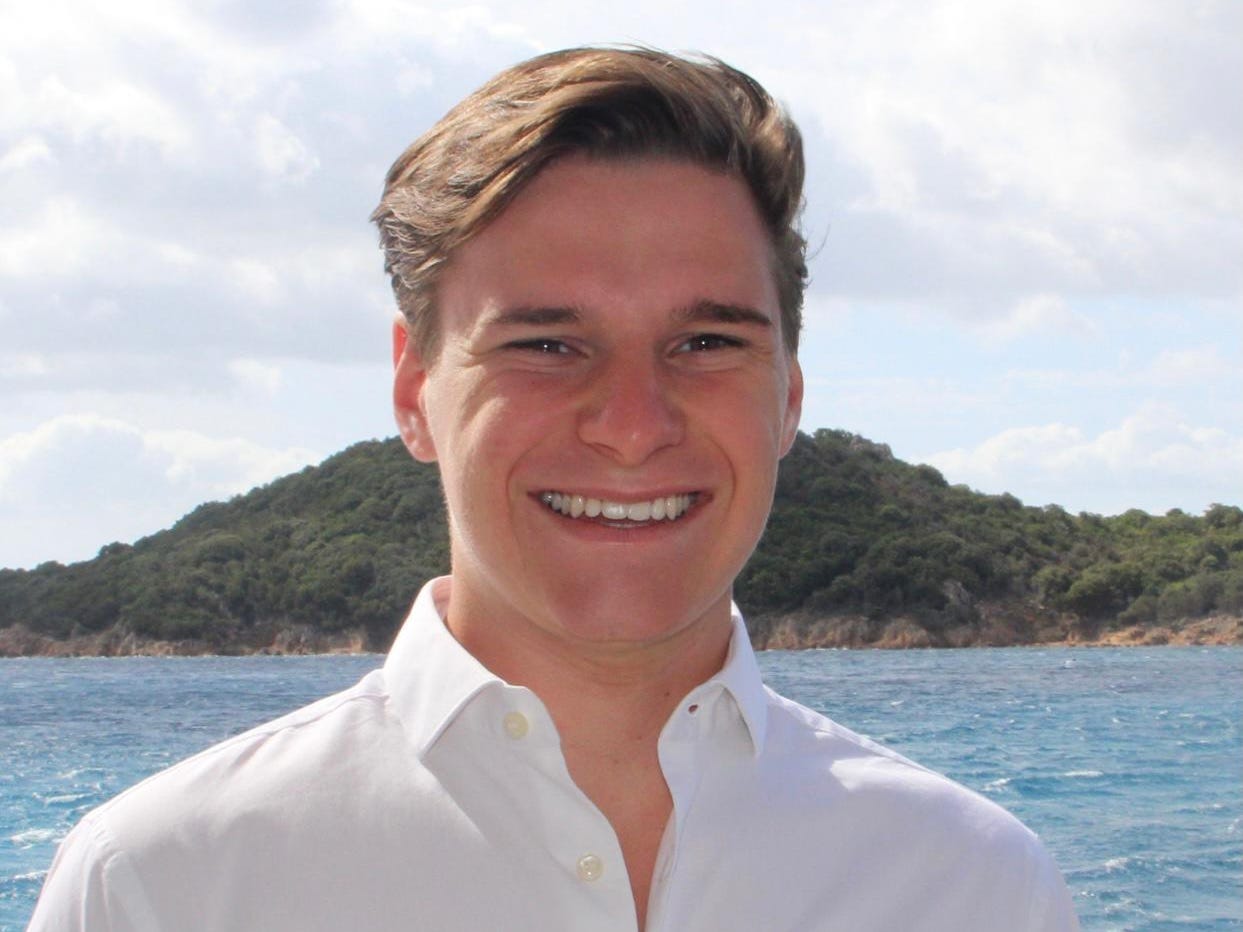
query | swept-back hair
[602, 102]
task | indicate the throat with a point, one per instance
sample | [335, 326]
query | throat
[630, 791]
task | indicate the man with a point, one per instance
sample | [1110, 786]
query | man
[600, 276]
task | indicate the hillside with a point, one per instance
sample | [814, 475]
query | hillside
[861, 549]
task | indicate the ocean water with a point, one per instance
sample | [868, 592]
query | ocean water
[1128, 762]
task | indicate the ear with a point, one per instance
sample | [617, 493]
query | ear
[794, 406]
[409, 379]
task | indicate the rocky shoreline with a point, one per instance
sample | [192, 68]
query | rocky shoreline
[296, 640]
[905, 634]
[779, 632]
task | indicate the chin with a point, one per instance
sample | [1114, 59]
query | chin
[636, 613]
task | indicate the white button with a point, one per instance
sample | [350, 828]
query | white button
[515, 724]
[590, 868]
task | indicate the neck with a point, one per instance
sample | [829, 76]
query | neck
[609, 700]
[632, 686]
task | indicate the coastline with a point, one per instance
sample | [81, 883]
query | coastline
[997, 628]
[295, 641]
[771, 632]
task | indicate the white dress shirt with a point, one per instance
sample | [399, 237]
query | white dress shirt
[433, 796]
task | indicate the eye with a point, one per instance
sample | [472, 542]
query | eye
[706, 342]
[541, 345]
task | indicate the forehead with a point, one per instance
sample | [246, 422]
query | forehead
[617, 234]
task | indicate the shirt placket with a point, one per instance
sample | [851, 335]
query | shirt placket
[595, 888]
[684, 742]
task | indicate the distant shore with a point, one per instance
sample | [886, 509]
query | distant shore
[775, 633]
[1001, 629]
[18, 641]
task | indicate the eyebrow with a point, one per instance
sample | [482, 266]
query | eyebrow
[535, 317]
[704, 311]
[715, 312]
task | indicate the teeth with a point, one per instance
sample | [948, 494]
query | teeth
[670, 507]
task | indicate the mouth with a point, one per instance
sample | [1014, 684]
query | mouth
[620, 514]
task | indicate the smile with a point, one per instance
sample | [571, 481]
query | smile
[666, 508]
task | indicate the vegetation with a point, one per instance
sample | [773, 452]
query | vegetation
[856, 539]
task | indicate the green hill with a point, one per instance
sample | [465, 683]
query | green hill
[861, 549]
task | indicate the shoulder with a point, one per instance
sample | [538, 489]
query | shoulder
[158, 842]
[799, 736]
[905, 839]
[311, 751]
[895, 797]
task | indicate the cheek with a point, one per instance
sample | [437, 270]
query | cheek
[483, 428]
[750, 420]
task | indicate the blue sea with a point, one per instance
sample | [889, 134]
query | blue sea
[1127, 761]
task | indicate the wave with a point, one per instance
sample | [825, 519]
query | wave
[36, 836]
[65, 798]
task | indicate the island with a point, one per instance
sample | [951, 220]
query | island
[862, 550]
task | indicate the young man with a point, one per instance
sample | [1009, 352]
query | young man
[600, 276]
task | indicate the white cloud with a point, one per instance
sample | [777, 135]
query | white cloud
[1042, 314]
[118, 114]
[63, 240]
[823, 314]
[255, 281]
[1029, 146]
[177, 256]
[926, 395]
[469, 28]
[413, 77]
[24, 153]
[280, 153]
[1154, 459]
[1190, 365]
[23, 365]
[77, 482]
[253, 374]
[221, 466]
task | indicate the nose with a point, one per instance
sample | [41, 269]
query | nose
[630, 412]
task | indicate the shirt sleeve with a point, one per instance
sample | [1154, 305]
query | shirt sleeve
[91, 887]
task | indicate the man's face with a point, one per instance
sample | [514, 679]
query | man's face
[611, 348]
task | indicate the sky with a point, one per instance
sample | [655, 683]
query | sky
[1026, 219]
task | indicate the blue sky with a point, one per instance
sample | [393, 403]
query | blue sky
[1028, 220]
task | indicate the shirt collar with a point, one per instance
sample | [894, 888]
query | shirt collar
[740, 677]
[431, 677]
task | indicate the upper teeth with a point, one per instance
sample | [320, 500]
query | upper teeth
[656, 509]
